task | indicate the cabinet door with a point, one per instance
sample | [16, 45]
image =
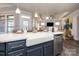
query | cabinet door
[48, 48]
[2, 47]
[2, 53]
[35, 50]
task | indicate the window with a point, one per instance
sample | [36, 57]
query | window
[2, 24]
[10, 23]
[25, 24]
[25, 21]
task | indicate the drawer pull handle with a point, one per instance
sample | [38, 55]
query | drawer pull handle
[16, 46]
[16, 51]
[19, 54]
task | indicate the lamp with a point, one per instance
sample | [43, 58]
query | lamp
[47, 17]
[57, 23]
[36, 15]
[42, 24]
[18, 11]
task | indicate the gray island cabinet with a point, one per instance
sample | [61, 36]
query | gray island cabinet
[19, 48]
[43, 49]
[52, 47]
[48, 44]
[13, 48]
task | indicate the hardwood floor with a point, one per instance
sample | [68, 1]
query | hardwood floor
[70, 48]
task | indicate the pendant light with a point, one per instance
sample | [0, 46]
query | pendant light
[17, 10]
[36, 15]
[47, 17]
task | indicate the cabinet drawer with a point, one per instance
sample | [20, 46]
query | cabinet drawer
[12, 46]
[20, 52]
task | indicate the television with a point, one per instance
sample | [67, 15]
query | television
[50, 24]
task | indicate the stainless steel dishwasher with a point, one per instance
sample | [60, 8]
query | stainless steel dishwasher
[58, 44]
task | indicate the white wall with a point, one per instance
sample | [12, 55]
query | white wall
[75, 26]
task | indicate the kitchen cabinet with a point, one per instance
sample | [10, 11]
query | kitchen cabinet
[19, 46]
[48, 48]
[13, 48]
[36, 50]
[43, 49]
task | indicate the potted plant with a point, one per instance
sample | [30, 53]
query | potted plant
[67, 28]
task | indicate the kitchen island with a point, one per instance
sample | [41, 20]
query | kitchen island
[27, 44]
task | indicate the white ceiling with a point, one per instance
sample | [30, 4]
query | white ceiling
[42, 8]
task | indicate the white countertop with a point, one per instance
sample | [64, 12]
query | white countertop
[39, 37]
[32, 38]
[11, 37]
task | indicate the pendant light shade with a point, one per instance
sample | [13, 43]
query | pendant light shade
[47, 17]
[18, 11]
[57, 23]
[36, 15]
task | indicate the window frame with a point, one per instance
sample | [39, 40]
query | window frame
[12, 20]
